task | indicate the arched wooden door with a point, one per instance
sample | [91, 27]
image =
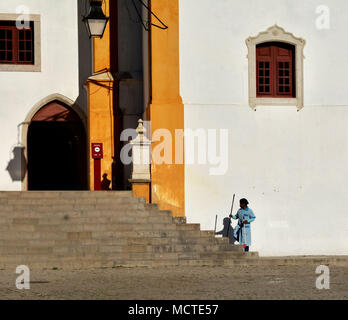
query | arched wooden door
[57, 150]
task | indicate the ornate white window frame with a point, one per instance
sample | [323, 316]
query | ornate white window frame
[36, 67]
[275, 34]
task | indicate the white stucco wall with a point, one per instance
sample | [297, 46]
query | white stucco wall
[20, 91]
[291, 166]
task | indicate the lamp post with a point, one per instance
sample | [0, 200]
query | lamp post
[96, 20]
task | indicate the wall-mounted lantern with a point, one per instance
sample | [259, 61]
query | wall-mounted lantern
[96, 20]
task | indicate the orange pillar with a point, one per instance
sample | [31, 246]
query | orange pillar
[166, 109]
[141, 190]
[100, 88]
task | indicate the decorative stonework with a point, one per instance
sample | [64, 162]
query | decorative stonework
[275, 34]
[36, 67]
[141, 146]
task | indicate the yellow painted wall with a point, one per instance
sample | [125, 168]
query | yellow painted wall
[100, 104]
[101, 129]
[141, 190]
[166, 109]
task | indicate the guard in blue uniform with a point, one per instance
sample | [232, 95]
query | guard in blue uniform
[245, 216]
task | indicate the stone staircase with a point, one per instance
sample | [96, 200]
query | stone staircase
[87, 229]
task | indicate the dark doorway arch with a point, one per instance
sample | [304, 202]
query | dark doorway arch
[57, 150]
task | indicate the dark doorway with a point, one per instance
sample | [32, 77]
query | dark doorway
[57, 153]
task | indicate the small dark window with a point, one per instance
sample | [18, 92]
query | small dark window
[275, 63]
[16, 45]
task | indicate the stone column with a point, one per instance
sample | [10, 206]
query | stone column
[141, 176]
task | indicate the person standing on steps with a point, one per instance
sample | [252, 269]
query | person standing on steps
[244, 216]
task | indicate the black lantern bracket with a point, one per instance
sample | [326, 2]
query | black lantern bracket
[147, 24]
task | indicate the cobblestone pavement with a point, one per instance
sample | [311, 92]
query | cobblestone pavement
[254, 282]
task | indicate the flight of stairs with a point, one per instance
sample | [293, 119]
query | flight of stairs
[88, 229]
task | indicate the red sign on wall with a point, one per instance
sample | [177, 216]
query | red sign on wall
[97, 151]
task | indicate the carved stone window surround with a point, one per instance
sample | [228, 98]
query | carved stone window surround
[275, 34]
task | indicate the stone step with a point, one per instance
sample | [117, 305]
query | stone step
[77, 254]
[222, 259]
[57, 207]
[89, 227]
[202, 240]
[69, 201]
[92, 262]
[67, 194]
[139, 249]
[152, 237]
[87, 263]
[119, 241]
[156, 245]
[49, 256]
[49, 224]
[199, 248]
[29, 232]
[64, 219]
[221, 255]
[190, 226]
[43, 236]
[68, 229]
[66, 214]
[151, 233]
[139, 241]
[201, 263]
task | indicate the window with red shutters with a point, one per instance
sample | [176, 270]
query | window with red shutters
[275, 64]
[16, 45]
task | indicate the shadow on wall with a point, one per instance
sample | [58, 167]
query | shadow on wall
[105, 183]
[227, 231]
[85, 55]
[17, 166]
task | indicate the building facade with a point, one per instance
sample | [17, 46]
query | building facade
[250, 94]
[42, 95]
[286, 150]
